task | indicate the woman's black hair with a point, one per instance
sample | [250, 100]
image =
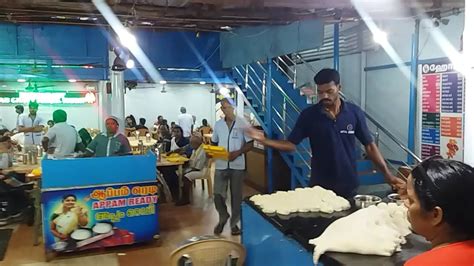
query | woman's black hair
[134, 121]
[449, 185]
[204, 122]
[180, 129]
[69, 195]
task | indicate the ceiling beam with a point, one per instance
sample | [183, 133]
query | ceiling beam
[309, 4]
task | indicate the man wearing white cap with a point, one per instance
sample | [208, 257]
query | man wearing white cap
[111, 143]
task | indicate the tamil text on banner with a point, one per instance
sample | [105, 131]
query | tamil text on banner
[102, 216]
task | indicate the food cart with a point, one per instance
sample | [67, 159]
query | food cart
[273, 239]
[90, 203]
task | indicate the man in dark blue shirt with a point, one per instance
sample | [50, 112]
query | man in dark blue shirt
[332, 126]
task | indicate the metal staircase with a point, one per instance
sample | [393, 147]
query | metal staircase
[277, 79]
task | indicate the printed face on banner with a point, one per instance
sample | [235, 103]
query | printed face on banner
[98, 217]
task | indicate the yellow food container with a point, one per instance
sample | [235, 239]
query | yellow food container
[36, 172]
[216, 152]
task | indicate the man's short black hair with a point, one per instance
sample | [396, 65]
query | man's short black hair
[20, 108]
[142, 121]
[327, 75]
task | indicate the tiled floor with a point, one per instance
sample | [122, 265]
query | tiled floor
[177, 224]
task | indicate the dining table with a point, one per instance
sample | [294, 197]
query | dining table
[35, 193]
[164, 162]
[22, 168]
[147, 142]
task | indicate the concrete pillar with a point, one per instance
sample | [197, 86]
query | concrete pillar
[468, 46]
[104, 103]
[117, 100]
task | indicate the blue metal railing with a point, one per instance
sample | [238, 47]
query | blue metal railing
[286, 112]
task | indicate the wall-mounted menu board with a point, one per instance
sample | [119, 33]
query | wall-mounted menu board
[442, 111]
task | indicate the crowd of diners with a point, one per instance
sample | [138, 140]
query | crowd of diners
[60, 139]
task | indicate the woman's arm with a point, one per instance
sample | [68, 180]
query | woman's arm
[55, 232]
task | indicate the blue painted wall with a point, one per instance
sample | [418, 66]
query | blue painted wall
[45, 47]
[180, 50]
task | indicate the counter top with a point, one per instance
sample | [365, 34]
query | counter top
[305, 226]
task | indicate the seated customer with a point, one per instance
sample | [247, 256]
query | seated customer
[85, 136]
[111, 143]
[142, 124]
[440, 205]
[6, 155]
[196, 168]
[62, 138]
[165, 138]
[130, 125]
[179, 144]
[13, 199]
[205, 128]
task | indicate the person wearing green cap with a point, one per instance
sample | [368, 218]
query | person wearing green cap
[111, 143]
[62, 138]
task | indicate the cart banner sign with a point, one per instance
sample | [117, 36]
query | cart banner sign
[441, 108]
[98, 217]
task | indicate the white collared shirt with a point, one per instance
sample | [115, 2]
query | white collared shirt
[63, 137]
[31, 138]
[232, 139]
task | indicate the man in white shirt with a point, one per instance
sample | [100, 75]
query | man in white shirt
[61, 139]
[19, 109]
[32, 125]
[229, 132]
[186, 122]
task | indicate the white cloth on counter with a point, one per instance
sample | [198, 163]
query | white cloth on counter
[315, 199]
[376, 230]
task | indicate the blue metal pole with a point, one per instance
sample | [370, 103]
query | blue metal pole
[413, 89]
[268, 122]
[336, 46]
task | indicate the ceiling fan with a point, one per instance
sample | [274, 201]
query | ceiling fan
[34, 86]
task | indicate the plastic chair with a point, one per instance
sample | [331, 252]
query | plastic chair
[208, 176]
[214, 252]
[205, 131]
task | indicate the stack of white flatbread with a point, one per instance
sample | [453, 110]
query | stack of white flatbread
[315, 199]
[376, 230]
